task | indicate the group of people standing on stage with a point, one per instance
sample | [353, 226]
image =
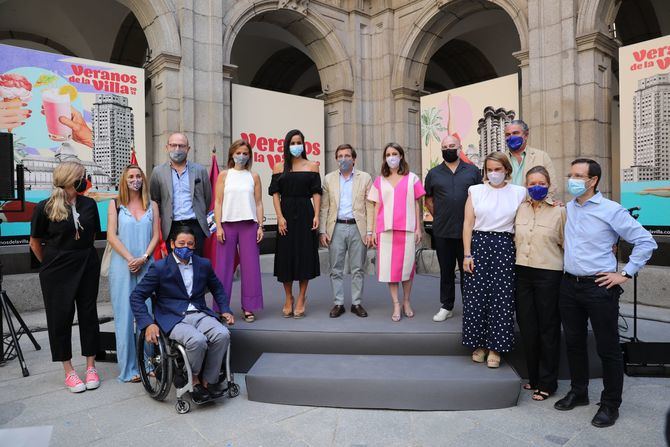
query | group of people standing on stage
[518, 249]
[523, 252]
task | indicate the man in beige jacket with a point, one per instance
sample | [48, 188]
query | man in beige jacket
[523, 157]
[346, 220]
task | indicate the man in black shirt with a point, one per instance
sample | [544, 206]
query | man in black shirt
[446, 193]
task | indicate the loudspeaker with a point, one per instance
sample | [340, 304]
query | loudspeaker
[6, 166]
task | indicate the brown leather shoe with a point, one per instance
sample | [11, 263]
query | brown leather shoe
[358, 310]
[336, 311]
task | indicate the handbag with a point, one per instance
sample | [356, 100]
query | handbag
[107, 255]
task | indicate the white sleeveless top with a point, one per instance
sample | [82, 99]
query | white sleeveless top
[495, 208]
[238, 197]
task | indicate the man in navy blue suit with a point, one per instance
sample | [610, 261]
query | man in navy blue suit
[180, 282]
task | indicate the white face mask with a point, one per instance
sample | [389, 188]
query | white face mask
[135, 184]
[496, 178]
[393, 161]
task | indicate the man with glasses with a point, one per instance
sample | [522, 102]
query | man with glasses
[591, 286]
[446, 193]
[182, 191]
[346, 227]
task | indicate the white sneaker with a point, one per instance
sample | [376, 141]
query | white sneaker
[443, 314]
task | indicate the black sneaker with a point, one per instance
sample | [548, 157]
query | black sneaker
[200, 395]
[216, 390]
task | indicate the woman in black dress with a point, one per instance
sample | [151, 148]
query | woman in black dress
[296, 193]
[67, 223]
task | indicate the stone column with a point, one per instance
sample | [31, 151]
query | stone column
[407, 126]
[595, 54]
[229, 72]
[163, 70]
[339, 123]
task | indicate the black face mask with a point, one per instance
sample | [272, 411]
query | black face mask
[450, 155]
[80, 185]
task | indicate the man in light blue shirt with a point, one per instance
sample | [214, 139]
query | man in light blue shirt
[591, 286]
[183, 192]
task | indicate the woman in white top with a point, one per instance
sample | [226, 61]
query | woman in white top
[488, 265]
[239, 224]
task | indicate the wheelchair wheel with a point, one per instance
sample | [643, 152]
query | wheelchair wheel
[182, 406]
[156, 367]
[233, 390]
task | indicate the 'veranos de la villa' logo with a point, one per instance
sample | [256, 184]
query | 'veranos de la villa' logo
[271, 150]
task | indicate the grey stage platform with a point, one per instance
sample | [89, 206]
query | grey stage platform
[311, 361]
[317, 333]
[381, 381]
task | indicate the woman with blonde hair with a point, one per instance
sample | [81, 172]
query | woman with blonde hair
[239, 227]
[488, 261]
[132, 230]
[67, 223]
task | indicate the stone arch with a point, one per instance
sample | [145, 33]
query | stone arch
[309, 27]
[421, 40]
[596, 16]
[158, 22]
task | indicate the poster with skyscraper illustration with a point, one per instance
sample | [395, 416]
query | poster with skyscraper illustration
[644, 87]
[60, 108]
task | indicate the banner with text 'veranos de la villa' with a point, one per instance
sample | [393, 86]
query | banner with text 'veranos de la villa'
[262, 118]
[644, 95]
[61, 108]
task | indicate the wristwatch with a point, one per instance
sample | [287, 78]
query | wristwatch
[625, 274]
[146, 256]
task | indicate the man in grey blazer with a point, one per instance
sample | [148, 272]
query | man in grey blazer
[183, 191]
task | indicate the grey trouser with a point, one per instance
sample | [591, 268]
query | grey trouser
[202, 334]
[347, 238]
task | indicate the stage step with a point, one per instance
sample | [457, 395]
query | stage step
[381, 381]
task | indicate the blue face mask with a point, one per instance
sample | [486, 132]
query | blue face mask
[345, 164]
[514, 142]
[296, 150]
[576, 187]
[538, 192]
[184, 253]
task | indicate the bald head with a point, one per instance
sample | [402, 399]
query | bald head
[451, 142]
[178, 138]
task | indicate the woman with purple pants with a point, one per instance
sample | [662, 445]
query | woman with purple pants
[239, 225]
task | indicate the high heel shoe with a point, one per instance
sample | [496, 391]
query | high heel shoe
[297, 315]
[479, 355]
[409, 314]
[493, 360]
[287, 313]
[396, 315]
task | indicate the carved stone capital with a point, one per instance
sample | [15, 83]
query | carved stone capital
[229, 71]
[163, 61]
[337, 95]
[598, 41]
[522, 57]
[300, 6]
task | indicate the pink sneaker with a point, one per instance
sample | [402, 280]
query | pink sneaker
[74, 383]
[92, 378]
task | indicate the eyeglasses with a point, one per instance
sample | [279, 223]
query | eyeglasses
[578, 177]
[177, 146]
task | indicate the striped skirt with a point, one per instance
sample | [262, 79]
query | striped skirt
[395, 256]
[488, 293]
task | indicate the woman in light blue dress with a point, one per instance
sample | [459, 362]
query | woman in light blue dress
[132, 230]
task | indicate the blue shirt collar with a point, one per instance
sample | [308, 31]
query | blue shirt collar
[597, 198]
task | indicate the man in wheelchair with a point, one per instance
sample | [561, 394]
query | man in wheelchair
[179, 283]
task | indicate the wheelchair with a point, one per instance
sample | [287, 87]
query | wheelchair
[166, 363]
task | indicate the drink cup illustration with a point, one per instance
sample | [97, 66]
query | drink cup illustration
[56, 105]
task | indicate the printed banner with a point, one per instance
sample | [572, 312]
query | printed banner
[644, 99]
[263, 118]
[476, 113]
[60, 108]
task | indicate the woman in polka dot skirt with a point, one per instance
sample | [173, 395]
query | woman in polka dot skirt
[488, 280]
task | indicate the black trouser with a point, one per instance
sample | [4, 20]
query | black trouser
[581, 301]
[193, 225]
[449, 251]
[537, 292]
[70, 279]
